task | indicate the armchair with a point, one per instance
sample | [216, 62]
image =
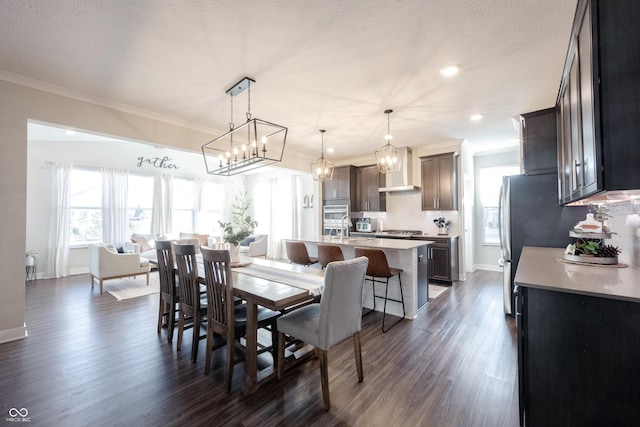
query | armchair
[256, 248]
[106, 263]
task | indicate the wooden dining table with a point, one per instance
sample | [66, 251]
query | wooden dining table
[271, 285]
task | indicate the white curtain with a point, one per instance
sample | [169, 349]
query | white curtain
[114, 205]
[275, 211]
[161, 221]
[57, 264]
[198, 203]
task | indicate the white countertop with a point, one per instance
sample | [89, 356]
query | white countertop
[540, 268]
[369, 242]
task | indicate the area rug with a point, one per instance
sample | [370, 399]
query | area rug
[133, 287]
[435, 291]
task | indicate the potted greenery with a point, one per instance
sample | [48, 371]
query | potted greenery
[443, 225]
[241, 225]
[30, 258]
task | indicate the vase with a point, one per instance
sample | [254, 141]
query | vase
[30, 261]
[443, 231]
[234, 252]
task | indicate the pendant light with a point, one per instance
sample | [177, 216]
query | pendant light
[254, 144]
[321, 169]
[387, 156]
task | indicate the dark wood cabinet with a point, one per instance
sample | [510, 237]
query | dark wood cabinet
[597, 101]
[341, 190]
[539, 142]
[439, 176]
[442, 258]
[577, 359]
[369, 182]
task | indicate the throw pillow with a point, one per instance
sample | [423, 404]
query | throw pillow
[247, 240]
[120, 249]
[142, 241]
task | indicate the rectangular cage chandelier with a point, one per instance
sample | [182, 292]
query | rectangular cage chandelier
[254, 144]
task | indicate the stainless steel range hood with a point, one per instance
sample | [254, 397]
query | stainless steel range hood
[403, 179]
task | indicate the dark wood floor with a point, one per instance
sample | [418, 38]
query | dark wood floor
[91, 360]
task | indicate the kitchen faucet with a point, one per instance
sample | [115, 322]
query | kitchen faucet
[344, 230]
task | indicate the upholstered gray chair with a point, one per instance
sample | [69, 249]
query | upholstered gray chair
[336, 317]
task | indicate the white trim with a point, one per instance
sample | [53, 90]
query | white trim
[489, 267]
[13, 334]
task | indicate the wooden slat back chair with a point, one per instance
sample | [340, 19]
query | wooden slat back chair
[192, 305]
[337, 317]
[226, 316]
[298, 254]
[169, 294]
[329, 253]
[378, 271]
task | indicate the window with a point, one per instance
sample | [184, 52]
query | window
[85, 207]
[211, 209]
[140, 203]
[183, 205]
[489, 185]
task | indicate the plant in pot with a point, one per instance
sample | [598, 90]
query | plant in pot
[30, 257]
[241, 225]
[443, 225]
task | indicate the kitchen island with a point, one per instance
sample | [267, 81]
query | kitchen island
[578, 341]
[409, 255]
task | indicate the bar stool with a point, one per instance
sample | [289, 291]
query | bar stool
[378, 268]
[298, 254]
[329, 253]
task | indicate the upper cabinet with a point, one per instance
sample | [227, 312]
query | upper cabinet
[341, 190]
[597, 105]
[369, 182]
[539, 142]
[439, 182]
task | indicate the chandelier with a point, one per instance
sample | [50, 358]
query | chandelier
[254, 144]
[321, 169]
[387, 156]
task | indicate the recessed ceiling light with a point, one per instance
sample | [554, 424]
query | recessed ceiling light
[70, 132]
[329, 150]
[449, 71]
[476, 117]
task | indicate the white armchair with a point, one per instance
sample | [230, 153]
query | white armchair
[106, 263]
[256, 248]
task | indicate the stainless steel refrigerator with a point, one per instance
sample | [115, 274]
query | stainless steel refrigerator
[529, 215]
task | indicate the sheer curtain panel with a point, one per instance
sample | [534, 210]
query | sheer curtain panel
[161, 222]
[57, 264]
[114, 205]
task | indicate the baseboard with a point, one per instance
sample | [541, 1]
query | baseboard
[13, 334]
[489, 267]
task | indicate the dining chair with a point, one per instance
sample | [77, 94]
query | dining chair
[335, 318]
[378, 271]
[329, 253]
[225, 316]
[192, 304]
[169, 294]
[298, 254]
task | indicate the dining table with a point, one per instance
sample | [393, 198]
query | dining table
[276, 286]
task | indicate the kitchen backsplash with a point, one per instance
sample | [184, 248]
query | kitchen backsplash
[624, 221]
[404, 212]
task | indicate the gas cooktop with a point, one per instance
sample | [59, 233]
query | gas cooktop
[404, 233]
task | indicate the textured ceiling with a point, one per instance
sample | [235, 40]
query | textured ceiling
[331, 64]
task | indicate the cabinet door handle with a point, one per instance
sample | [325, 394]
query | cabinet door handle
[435, 202]
[576, 165]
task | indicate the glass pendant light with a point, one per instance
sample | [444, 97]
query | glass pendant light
[321, 169]
[387, 156]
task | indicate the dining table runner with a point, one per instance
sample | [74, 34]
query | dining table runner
[314, 284]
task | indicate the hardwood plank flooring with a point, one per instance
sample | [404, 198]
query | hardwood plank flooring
[92, 360]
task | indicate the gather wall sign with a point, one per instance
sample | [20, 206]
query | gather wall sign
[157, 162]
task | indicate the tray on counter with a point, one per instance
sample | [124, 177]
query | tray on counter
[591, 260]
